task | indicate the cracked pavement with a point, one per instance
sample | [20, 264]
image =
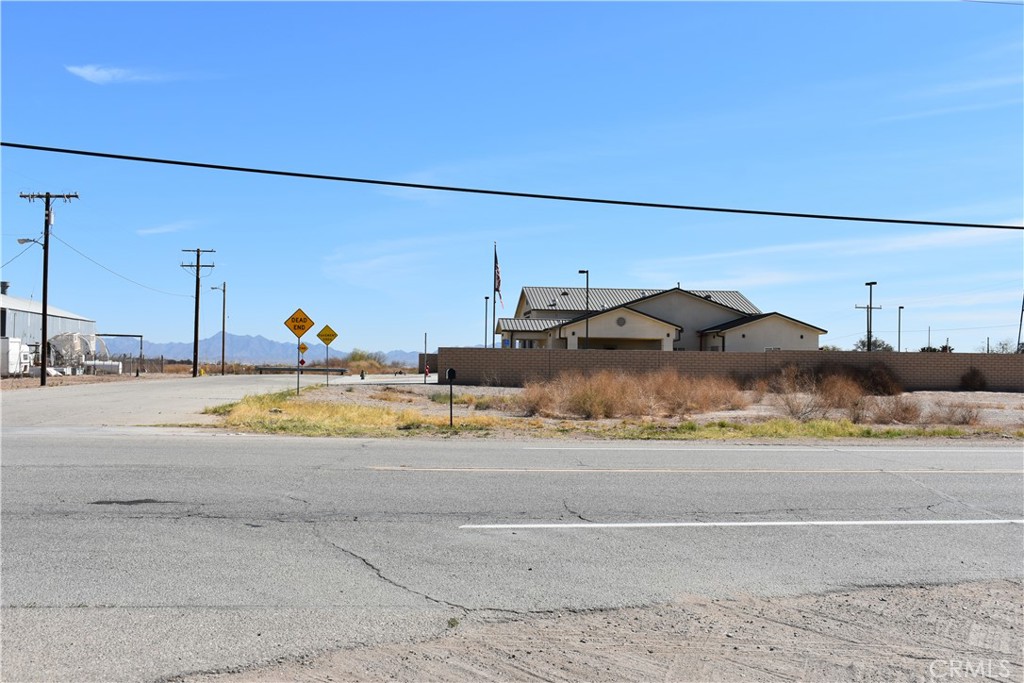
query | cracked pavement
[141, 554]
[208, 552]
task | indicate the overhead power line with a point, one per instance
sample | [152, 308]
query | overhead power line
[16, 256]
[128, 279]
[506, 193]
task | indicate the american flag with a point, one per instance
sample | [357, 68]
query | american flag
[497, 276]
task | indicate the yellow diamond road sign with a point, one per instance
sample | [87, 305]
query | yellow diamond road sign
[303, 348]
[327, 335]
[299, 323]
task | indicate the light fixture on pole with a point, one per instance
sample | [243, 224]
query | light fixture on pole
[899, 328]
[224, 325]
[587, 305]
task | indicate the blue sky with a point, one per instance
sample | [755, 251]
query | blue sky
[900, 110]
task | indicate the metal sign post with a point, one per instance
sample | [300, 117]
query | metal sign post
[299, 323]
[327, 335]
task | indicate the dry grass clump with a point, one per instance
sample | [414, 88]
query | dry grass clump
[797, 393]
[841, 391]
[610, 394]
[474, 401]
[852, 392]
[955, 413]
[283, 413]
[901, 409]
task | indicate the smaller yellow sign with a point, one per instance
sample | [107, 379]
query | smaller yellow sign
[327, 335]
[299, 323]
[303, 348]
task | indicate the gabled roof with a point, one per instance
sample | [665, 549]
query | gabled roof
[575, 298]
[603, 298]
[596, 314]
[740, 322]
[727, 298]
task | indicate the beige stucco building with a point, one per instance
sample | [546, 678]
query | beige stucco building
[668, 320]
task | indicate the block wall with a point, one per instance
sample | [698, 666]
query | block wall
[915, 371]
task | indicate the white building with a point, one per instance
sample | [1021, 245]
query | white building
[668, 320]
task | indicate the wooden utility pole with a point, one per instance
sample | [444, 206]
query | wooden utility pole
[195, 335]
[47, 197]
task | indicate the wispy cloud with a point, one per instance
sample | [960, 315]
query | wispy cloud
[388, 264]
[179, 226]
[961, 87]
[942, 111]
[949, 239]
[105, 75]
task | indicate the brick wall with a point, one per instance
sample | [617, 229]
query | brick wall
[916, 371]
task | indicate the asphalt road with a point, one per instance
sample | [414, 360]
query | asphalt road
[134, 554]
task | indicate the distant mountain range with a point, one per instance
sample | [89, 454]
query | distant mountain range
[241, 349]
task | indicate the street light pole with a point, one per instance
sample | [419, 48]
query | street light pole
[486, 299]
[47, 223]
[224, 326]
[587, 304]
[899, 328]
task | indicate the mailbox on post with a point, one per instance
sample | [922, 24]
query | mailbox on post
[450, 376]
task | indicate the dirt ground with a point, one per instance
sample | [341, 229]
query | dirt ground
[970, 631]
[1001, 410]
[913, 633]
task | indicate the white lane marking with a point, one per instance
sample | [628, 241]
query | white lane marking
[864, 450]
[671, 470]
[661, 525]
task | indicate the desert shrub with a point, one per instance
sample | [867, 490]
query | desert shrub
[973, 380]
[840, 391]
[861, 410]
[596, 397]
[955, 413]
[789, 379]
[801, 405]
[880, 380]
[797, 393]
[716, 393]
[610, 394]
[877, 379]
[758, 387]
[900, 409]
[535, 399]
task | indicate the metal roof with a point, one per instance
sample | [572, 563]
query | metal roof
[575, 298]
[528, 324]
[740, 322]
[16, 303]
[601, 298]
[730, 298]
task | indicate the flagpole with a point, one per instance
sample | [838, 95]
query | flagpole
[494, 300]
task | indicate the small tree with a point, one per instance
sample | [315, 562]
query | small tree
[1004, 346]
[876, 344]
